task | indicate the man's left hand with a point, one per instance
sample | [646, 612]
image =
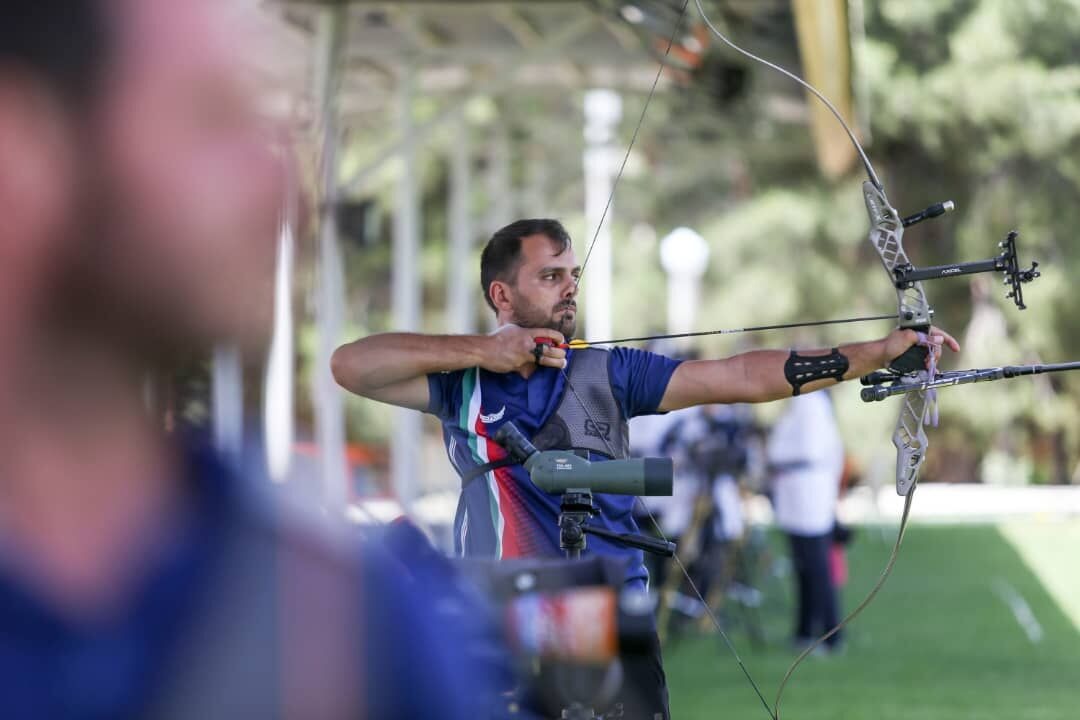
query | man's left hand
[901, 339]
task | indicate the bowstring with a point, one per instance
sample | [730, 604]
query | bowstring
[810, 88]
[774, 711]
[907, 503]
[675, 556]
[858, 609]
[573, 390]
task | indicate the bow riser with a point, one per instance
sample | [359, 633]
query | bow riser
[910, 441]
[887, 235]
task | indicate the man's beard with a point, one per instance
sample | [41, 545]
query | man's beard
[562, 318]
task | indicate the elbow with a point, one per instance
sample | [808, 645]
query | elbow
[340, 369]
[355, 366]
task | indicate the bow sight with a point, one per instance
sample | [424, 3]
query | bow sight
[1006, 263]
[897, 380]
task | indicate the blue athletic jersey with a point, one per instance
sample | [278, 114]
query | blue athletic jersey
[501, 513]
[401, 656]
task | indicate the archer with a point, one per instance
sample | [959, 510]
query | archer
[568, 399]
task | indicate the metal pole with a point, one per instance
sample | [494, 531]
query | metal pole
[278, 425]
[500, 195]
[536, 188]
[500, 199]
[603, 110]
[228, 400]
[408, 431]
[329, 411]
[460, 281]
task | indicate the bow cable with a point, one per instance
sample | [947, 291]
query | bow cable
[588, 413]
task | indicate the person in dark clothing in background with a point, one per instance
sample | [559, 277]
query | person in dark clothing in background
[806, 458]
[140, 576]
[711, 445]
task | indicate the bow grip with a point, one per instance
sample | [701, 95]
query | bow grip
[913, 359]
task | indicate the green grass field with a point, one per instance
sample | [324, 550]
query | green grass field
[939, 641]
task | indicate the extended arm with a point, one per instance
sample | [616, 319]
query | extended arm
[759, 376]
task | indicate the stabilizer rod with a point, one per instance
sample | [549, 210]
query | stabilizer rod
[877, 391]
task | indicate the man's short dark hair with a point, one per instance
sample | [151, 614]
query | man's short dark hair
[59, 43]
[502, 254]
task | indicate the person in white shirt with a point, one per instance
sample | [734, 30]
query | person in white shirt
[650, 436]
[806, 459]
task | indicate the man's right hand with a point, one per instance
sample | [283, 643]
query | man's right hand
[393, 367]
[512, 348]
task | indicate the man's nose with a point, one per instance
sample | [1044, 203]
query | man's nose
[571, 289]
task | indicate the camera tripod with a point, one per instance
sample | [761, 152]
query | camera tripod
[576, 508]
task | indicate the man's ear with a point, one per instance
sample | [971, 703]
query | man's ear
[499, 292]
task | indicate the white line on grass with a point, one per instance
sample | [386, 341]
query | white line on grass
[1025, 618]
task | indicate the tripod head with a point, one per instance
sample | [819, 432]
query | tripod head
[561, 471]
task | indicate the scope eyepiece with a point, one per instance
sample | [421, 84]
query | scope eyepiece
[517, 444]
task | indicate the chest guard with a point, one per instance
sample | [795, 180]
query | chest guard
[588, 416]
[588, 419]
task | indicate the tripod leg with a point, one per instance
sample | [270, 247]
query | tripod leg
[691, 549]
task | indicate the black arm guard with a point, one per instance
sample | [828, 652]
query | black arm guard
[801, 369]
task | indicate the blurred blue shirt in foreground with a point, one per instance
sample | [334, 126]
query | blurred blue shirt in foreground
[242, 612]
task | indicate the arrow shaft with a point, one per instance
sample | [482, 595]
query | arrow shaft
[734, 331]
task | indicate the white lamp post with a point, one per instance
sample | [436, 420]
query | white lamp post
[684, 256]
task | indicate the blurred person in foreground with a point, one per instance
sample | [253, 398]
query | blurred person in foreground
[476, 383]
[805, 456]
[139, 575]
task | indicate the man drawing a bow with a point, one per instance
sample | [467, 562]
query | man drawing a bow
[566, 398]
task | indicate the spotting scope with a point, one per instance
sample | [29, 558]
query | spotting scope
[557, 471]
